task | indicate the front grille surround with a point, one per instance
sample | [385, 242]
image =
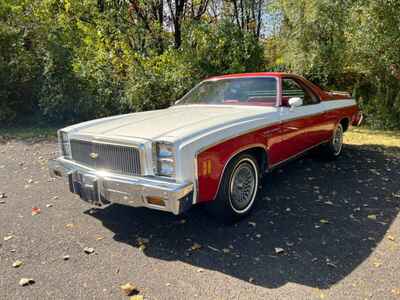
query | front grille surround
[116, 158]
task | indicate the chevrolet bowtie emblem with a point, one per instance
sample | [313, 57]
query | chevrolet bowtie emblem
[94, 155]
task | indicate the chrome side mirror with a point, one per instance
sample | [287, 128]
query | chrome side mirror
[295, 102]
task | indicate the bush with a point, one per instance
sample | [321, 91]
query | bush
[158, 81]
[19, 72]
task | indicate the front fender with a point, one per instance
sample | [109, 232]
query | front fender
[211, 162]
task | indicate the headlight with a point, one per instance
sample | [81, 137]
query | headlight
[65, 146]
[164, 158]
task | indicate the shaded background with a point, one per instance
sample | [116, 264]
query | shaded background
[68, 61]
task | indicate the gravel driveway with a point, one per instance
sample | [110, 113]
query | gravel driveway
[321, 231]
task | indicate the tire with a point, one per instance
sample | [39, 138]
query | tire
[335, 146]
[238, 190]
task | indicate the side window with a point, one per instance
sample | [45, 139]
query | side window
[290, 88]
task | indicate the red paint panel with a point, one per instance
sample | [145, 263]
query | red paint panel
[298, 135]
[332, 117]
[278, 140]
[220, 154]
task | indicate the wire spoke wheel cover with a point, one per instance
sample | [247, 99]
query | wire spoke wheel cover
[243, 186]
[337, 140]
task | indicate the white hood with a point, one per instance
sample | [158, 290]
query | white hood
[176, 122]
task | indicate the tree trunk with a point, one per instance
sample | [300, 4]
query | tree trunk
[177, 35]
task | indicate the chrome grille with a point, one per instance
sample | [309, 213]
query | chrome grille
[115, 158]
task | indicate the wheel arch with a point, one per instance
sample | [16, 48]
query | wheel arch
[345, 122]
[258, 151]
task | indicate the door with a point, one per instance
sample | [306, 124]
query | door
[300, 126]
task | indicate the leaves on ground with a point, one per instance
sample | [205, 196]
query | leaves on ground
[142, 243]
[35, 211]
[372, 217]
[17, 263]
[195, 247]
[391, 237]
[26, 281]
[88, 250]
[129, 289]
[8, 237]
[377, 264]
[396, 291]
[324, 221]
[331, 264]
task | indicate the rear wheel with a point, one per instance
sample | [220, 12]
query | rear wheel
[335, 146]
[238, 190]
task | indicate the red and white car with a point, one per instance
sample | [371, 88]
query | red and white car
[212, 147]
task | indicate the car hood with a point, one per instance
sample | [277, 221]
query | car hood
[175, 122]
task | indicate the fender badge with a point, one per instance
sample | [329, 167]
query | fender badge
[94, 155]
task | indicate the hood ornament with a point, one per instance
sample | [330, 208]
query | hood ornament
[94, 155]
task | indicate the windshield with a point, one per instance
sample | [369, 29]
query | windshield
[245, 91]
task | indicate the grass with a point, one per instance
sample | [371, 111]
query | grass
[30, 132]
[365, 136]
[355, 136]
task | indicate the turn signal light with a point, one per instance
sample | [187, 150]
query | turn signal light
[207, 167]
[155, 200]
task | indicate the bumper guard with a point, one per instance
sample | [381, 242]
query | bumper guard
[101, 188]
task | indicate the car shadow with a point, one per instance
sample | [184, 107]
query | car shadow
[315, 223]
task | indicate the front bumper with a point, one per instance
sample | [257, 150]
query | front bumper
[100, 187]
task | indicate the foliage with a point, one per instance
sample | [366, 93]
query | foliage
[18, 69]
[66, 61]
[347, 45]
[373, 38]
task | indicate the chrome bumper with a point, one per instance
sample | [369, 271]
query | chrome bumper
[100, 187]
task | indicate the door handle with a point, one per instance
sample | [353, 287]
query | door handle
[270, 131]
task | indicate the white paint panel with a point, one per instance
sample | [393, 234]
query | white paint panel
[193, 128]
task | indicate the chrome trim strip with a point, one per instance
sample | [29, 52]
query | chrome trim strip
[196, 180]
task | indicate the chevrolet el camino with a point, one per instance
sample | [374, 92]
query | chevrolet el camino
[212, 147]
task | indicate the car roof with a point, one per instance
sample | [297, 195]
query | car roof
[324, 95]
[256, 74]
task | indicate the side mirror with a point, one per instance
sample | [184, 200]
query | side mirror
[295, 102]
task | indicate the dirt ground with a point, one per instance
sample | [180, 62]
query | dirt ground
[322, 230]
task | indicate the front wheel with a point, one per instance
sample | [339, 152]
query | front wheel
[238, 190]
[334, 148]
